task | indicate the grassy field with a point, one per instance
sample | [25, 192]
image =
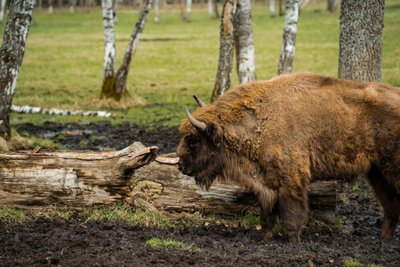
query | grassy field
[64, 56]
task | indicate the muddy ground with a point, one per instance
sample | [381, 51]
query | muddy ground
[77, 242]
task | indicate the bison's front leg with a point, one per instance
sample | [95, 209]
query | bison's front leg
[268, 219]
[294, 213]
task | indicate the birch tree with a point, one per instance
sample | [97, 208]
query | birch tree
[226, 48]
[272, 8]
[11, 54]
[115, 86]
[236, 34]
[109, 45]
[244, 43]
[188, 10]
[2, 9]
[360, 48]
[157, 11]
[332, 5]
[289, 37]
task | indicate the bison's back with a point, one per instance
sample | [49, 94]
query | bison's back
[340, 127]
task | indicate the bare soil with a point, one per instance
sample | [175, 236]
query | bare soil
[77, 242]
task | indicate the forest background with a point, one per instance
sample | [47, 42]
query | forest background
[63, 63]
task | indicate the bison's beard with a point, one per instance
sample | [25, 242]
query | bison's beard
[206, 175]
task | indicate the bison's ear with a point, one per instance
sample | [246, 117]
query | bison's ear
[214, 134]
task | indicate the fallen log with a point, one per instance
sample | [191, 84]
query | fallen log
[135, 175]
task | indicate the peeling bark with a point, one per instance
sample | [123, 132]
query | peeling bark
[133, 175]
[11, 55]
[227, 45]
[360, 48]
[244, 43]
[289, 37]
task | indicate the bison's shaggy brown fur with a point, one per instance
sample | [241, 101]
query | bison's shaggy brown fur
[275, 137]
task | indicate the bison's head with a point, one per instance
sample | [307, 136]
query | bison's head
[199, 147]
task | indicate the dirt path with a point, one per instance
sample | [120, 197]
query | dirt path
[79, 243]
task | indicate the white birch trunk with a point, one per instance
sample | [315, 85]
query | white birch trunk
[11, 55]
[57, 111]
[2, 9]
[244, 42]
[109, 39]
[51, 9]
[122, 73]
[72, 4]
[227, 45]
[188, 10]
[289, 37]
[210, 8]
[157, 11]
[272, 8]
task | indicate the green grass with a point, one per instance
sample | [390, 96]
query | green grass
[156, 242]
[350, 262]
[64, 56]
[11, 217]
[136, 217]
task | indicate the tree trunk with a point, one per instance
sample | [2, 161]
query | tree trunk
[122, 73]
[216, 8]
[114, 85]
[2, 9]
[360, 49]
[72, 5]
[11, 54]
[82, 178]
[227, 45]
[244, 43]
[289, 37]
[157, 11]
[332, 5]
[109, 78]
[272, 8]
[186, 17]
[281, 13]
[51, 9]
[210, 8]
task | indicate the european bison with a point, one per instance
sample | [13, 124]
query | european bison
[276, 137]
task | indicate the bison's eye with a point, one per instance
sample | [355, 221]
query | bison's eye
[193, 144]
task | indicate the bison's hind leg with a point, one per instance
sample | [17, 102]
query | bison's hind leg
[389, 199]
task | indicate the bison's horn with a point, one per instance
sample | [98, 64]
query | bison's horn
[201, 126]
[199, 102]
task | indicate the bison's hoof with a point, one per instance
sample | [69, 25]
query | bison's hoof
[268, 235]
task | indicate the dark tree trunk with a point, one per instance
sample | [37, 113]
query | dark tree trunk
[11, 55]
[227, 46]
[360, 52]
